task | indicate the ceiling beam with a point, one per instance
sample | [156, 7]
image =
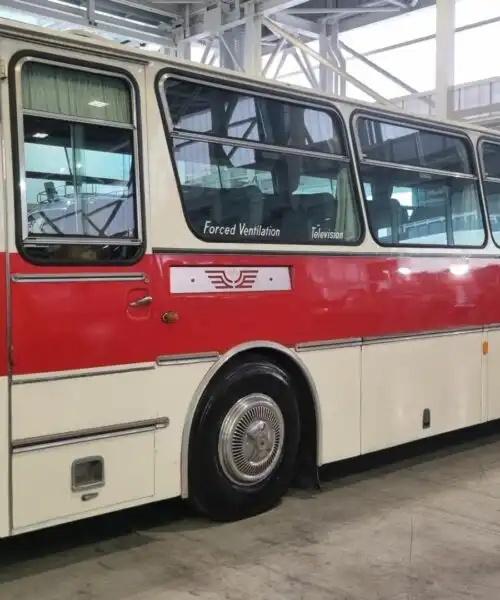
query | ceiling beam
[78, 15]
[299, 25]
[218, 21]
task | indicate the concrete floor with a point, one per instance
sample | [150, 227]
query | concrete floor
[426, 528]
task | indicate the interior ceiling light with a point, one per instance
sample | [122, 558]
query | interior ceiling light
[98, 103]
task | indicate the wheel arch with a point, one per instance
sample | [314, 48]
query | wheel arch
[308, 398]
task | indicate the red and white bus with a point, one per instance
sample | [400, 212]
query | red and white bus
[214, 284]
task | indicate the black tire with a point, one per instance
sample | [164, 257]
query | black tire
[211, 491]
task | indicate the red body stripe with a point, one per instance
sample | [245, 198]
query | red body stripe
[62, 326]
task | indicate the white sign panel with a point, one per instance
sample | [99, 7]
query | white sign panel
[203, 280]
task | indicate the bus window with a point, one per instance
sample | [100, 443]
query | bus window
[77, 166]
[423, 188]
[490, 158]
[255, 169]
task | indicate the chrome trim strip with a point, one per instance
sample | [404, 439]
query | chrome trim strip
[203, 357]
[75, 277]
[454, 252]
[382, 339]
[183, 359]
[403, 167]
[78, 119]
[401, 337]
[94, 372]
[43, 442]
[328, 344]
[214, 369]
[240, 143]
[34, 241]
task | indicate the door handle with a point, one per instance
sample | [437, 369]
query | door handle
[144, 301]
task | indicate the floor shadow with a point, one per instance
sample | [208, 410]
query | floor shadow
[71, 543]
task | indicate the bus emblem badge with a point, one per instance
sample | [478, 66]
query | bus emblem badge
[227, 279]
[208, 280]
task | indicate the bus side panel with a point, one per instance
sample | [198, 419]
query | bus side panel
[110, 400]
[332, 299]
[403, 379]
[491, 378]
[336, 373]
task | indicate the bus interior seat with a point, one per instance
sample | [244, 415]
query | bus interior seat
[294, 221]
[386, 212]
[243, 205]
[321, 209]
[274, 206]
[200, 205]
[307, 210]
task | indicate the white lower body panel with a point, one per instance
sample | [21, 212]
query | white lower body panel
[140, 465]
[42, 486]
[491, 379]
[4, 458]
[400, 379]
[372, 396]
[336, 374]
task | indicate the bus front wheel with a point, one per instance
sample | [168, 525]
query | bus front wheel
[244, 446]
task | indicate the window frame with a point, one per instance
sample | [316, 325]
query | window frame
[481, 141]
[256, 89]
[22, 238]
[442, 128]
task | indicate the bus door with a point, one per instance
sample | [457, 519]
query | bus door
[81, 299]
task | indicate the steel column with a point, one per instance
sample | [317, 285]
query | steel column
[445, 57]
[326, 75]
[252, 42]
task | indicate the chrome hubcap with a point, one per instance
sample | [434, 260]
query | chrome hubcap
[251, 439]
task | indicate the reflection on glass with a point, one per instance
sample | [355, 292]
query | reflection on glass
[79, 179]
[210, 110]
[409, 207]
[406, 145]
[244, 194]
